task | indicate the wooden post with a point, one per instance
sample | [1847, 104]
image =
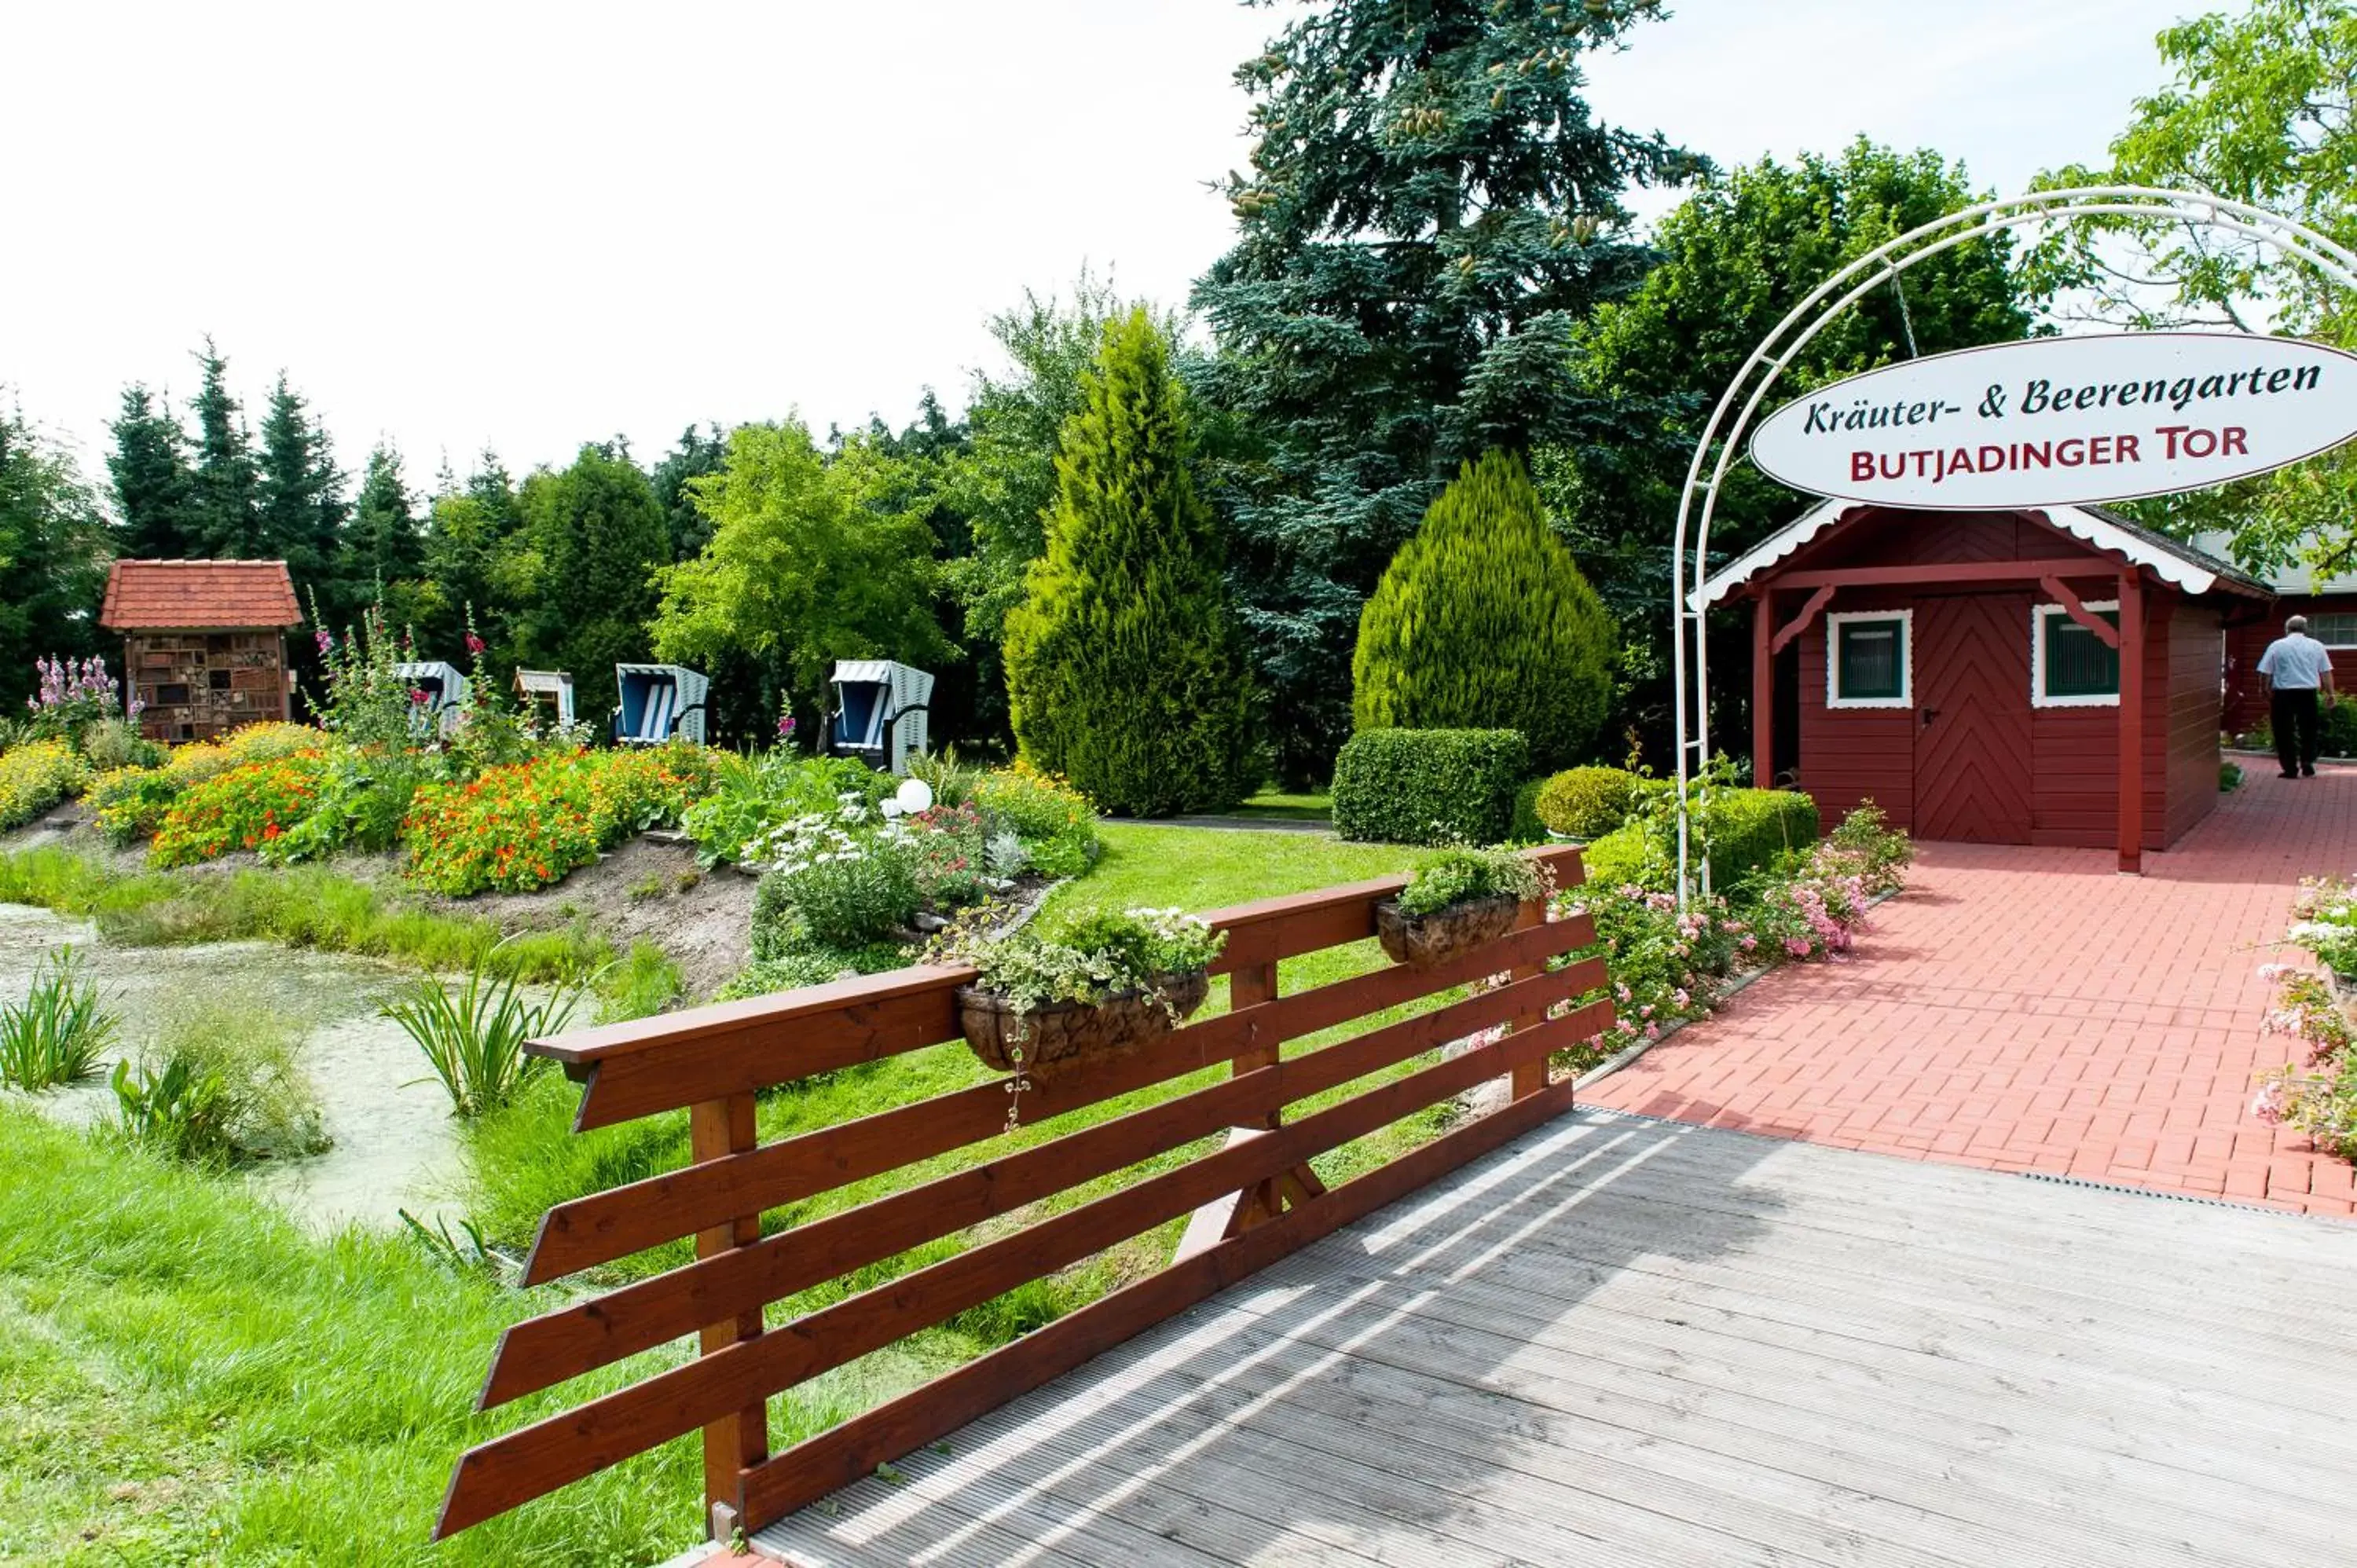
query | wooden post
[1763, 690]
[1249, 986]
[1531, 1077]
[716, 1128]
[2132, 767]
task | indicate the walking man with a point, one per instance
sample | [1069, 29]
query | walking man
[2296, 666]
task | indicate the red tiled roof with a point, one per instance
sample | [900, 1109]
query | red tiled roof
[186, 594]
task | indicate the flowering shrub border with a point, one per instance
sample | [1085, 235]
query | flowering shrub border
[2317, 1094]
[1668, 966]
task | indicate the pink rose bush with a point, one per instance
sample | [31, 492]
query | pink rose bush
[1669, 965]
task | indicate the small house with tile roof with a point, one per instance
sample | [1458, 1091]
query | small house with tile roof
[204, 642]
[2329, 600]
[2050, 676]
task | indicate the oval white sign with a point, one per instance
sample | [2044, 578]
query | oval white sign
[2055, 421]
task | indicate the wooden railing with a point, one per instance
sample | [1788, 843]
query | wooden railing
[1253, 1202]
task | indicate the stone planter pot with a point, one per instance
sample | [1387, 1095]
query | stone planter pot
[1423, 940]
[1065, 1034]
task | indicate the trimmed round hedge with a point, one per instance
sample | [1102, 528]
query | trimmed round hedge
[1587, 803]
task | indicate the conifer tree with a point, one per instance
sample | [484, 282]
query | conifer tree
[153, 487]
[383, 546]
[1124, 671]
[1431, 205]
[1482, 621]
[299, 503]
[226, 508]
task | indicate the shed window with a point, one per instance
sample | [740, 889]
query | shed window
[2069, 667]
[2334, 630]
[1869, 659]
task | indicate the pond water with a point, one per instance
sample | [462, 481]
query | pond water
[395, 1145]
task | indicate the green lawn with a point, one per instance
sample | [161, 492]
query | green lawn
[190, 1378]
[1275, 803]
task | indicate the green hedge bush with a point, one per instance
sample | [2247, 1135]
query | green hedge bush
[1587, 803]
[1429, 786]
[1528, 827]
[1746, 829]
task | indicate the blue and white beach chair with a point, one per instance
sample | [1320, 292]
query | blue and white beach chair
[879, 712]
[660, 703]
[446, 695]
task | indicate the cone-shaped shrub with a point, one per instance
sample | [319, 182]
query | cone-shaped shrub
[1124, 671]
[1482, 621]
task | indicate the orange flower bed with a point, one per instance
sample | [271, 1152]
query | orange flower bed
[525, 826]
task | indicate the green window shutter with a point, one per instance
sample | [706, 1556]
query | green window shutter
[2077, 662]
[1870, 660]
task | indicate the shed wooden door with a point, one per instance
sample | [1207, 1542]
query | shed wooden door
[1971, 680]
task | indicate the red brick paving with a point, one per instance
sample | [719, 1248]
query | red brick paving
[2031, 1010]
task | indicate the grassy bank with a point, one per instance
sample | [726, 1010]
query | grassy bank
[314, 907]
[191, 1378]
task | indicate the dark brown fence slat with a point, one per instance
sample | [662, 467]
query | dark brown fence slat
[536, 1459]
[563, 1344]
[717, 1063]
[842, 1455]
[613, 1224]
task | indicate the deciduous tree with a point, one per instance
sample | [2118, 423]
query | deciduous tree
[595, 539]
[2261, 106]
[53, 555]
[807, 564]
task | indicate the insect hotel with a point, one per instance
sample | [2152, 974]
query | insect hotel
[204, 642]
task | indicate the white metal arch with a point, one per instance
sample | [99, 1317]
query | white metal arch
[1760, 372]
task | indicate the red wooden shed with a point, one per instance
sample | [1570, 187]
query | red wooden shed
[2050, 676]
[2329, 602]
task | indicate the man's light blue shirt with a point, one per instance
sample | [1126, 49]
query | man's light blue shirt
[2296, 663]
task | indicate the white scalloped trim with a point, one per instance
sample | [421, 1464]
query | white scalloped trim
[2167, 565]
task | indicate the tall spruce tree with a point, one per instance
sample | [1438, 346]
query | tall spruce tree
[1482, 621]
[1430, 207]
[299, 499]
[227, 492]
[1124, 671]
[383, 548]
[154, 490]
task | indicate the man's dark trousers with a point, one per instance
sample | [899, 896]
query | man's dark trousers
[2298, 726]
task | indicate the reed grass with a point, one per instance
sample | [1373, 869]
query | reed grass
[59, 1032]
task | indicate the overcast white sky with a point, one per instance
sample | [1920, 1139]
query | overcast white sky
[456, 225]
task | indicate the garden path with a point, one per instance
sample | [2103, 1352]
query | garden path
[2031, 1010]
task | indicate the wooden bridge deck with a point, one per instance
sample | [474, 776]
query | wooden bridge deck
[1624, 1341]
